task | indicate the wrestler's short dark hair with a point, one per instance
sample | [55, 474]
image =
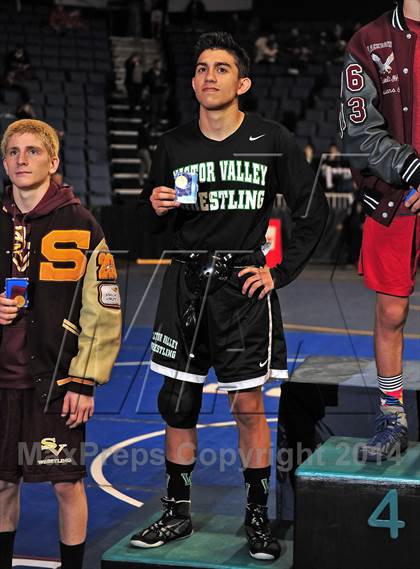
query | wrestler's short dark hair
[223, 40]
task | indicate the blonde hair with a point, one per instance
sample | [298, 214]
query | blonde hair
[43, 131]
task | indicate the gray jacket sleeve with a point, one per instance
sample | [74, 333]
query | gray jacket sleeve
[364, 133]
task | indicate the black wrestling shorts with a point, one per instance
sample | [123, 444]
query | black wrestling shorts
[241, 337]
[37, 446]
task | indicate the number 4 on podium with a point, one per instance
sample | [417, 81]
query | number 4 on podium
[393, 523]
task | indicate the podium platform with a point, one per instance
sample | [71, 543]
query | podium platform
[218, 541]
[351, 514]
[331, 396]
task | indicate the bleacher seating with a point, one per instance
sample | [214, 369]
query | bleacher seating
[72, 73]
[305, 99]
[69, 88]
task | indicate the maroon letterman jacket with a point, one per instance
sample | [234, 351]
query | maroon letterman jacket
[376, 113]
[73, 319]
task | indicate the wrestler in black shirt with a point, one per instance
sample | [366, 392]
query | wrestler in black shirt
[231, 322]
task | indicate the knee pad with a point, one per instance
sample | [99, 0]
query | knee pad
[179, 403]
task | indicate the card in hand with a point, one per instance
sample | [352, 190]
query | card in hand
[17, 288]
[186, 187]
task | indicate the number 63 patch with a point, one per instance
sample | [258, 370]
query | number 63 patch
[356, 82]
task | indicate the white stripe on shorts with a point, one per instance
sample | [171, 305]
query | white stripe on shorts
[270, 331]
[271, 374]
[176, 374]
[243, 383]
[279, 374]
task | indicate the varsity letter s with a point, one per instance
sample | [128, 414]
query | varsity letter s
[73, 256]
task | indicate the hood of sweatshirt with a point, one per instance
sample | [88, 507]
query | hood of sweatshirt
[55, 197]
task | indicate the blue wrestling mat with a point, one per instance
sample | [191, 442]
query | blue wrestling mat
[126, 432]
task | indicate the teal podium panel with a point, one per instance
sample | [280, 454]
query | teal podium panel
[218, 542]
[350, 514]
[331, 396]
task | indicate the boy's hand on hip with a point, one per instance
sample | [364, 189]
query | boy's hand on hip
[261, 277]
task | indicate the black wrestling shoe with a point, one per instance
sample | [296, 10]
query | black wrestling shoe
[390, 439]
[175, 523]
[262, 544]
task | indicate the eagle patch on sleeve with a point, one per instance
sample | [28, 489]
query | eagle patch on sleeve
[109, 295]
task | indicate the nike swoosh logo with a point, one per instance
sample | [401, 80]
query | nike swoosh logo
[252, 138]
[262, 364]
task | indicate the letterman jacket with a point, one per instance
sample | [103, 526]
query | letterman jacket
[74, 317]
[376, 113]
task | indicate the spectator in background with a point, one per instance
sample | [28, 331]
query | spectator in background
[309, 152]
[25, 111]
[297, 52]
[254, 26]
[266, 49]
[323, 39]
[17, 69]
[195, 12]
[134, 80]
[134, 18]
[76, 20]
[337, 32]
[356, 27]
[18, 66]
[144, 144]
[336, 171]
[294, 39]
[58, 18]
[146, 12]
[156, 20]
[339, 50]
[157, 82]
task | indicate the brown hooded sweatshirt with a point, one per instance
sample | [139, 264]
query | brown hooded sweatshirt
[13, 350]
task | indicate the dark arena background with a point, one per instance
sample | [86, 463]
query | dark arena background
[111, 77]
